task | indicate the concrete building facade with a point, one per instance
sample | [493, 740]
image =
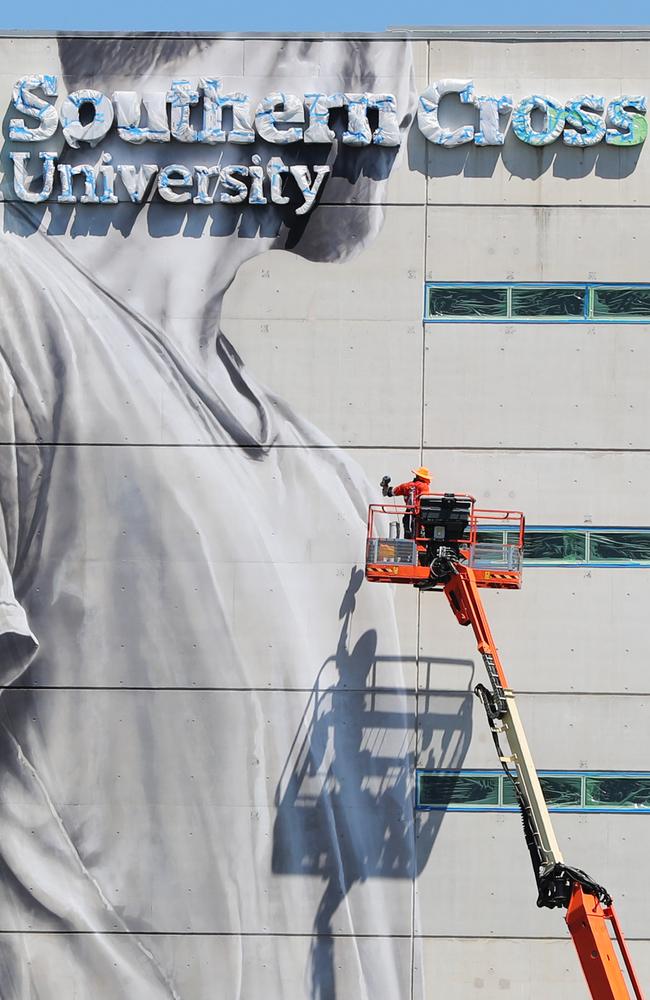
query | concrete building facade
[218, 330]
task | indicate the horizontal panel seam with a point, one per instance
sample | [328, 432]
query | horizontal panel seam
[296, 934]
[576, 449]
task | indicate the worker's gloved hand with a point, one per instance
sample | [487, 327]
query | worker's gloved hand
[385, 487]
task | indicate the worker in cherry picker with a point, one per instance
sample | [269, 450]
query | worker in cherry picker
[411, 491]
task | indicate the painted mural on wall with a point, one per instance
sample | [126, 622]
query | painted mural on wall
[178, 590]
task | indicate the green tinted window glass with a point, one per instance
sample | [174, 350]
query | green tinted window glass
[618, 793]
[633, 303]
[548, 302]
[555, 546]
[560, 792]
[458, 789]
[468, 302]
[493, 537]
[631, 546]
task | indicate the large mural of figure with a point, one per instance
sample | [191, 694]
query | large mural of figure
[176, 545]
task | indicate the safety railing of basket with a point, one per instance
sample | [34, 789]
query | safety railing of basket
[399, 510]
[480, 547]
[496, 539]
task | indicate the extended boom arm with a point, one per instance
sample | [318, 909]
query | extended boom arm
[451, 545]
[589, 906]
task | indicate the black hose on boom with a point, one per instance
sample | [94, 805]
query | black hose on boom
[488, 700]
[554, 882]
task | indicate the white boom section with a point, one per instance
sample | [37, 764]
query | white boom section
[529, 784]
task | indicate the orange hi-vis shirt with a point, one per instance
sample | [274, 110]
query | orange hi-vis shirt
[412, 491]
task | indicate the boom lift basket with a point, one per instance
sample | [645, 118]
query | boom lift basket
[403, 540]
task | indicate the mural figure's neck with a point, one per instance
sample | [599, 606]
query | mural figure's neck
[180, 304]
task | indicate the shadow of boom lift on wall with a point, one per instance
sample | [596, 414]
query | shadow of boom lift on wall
[345, 800]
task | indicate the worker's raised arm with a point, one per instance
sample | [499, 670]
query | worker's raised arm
[421, 483]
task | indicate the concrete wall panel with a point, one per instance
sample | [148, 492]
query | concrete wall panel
[533, 242]
[552, 59]
[358, 381]
[384, 282]
[571, 487]
[479, 881]
[354, 368]
[458, 968]
[538, 386]
[590, 731]
[583, 632]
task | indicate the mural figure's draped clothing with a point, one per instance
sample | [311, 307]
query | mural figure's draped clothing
[154, 537]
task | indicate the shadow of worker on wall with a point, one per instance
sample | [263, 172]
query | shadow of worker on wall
[345, 800]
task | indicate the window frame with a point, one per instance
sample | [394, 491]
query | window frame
[583, 809]
[588, 317]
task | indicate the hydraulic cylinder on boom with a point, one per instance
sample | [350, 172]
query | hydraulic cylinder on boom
[455, 548]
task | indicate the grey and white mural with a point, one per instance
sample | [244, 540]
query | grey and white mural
[207, 728]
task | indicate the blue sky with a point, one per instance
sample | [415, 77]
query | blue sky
[326, 15]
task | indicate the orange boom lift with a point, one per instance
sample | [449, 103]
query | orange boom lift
[454, 547]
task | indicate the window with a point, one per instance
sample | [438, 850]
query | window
[555, 546]
[529, 302]
[573, 546]
[633, 302]
[444, 790]
[564, 791]
[618, 792]
[619, 546]
[560, 792]
[468, 302]
[536, 302]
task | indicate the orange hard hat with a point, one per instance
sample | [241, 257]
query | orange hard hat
[422, 473]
